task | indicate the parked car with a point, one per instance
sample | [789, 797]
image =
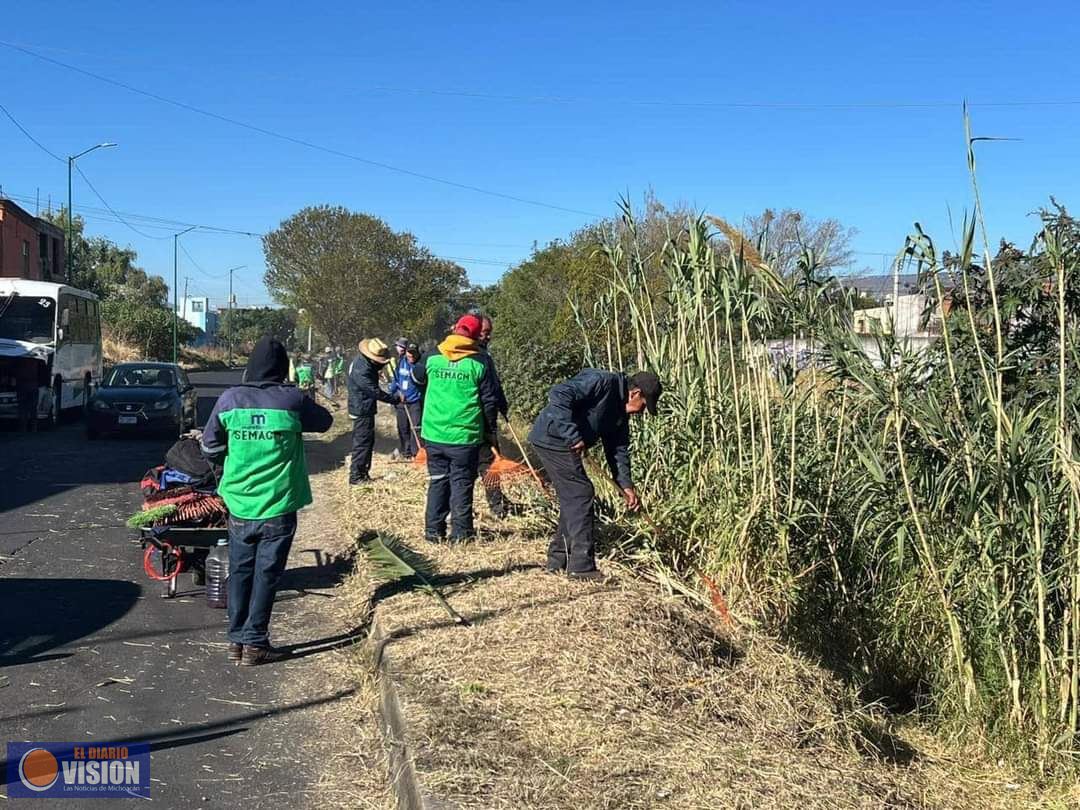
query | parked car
[142, 398]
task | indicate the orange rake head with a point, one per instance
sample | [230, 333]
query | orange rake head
[420, 459]
[502, 470]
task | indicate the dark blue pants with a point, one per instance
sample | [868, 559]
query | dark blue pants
[406, 440]
[258, 551]
[573, 547]
[452, 470]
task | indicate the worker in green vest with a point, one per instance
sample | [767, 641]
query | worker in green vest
[461, 402]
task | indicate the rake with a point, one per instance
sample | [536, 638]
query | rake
[420, 459]
[504, 469]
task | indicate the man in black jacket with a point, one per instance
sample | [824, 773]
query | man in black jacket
[364, 395]
[594, 406]
[497, 500]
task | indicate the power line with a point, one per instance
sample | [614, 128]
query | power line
[33, 140]
[291, 139]
[110, 208]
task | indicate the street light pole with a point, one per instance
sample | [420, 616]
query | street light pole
[70, 235]
[231, 269]
[176, 283]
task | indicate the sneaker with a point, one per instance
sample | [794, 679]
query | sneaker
[554, 569]
[356, 482]
[254, 656]
[596, 575]
[394, 456]
[434, 538]
[236, 652]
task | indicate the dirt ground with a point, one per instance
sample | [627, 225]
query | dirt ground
[569, 695]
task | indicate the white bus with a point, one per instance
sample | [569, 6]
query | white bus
[59, 328]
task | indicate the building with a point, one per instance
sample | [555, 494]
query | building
[30, 247]
[195, 309]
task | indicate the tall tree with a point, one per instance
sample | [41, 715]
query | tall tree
[355, 277]
[106, 269]
[781, 238]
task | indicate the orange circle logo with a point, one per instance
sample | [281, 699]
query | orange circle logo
[38, 769]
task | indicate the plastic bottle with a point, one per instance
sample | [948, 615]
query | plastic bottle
[217, 575]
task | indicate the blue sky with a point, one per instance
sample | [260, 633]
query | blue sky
[569, 104]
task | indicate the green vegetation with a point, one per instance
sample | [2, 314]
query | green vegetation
[135, 310]
[354, 277]
[913, 525]
[248, 325]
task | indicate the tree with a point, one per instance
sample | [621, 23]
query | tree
[248, 325]
[104, 268]
[782, 237]
[355, 277]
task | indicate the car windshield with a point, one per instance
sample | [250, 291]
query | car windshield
[27, 319]
[141, 377]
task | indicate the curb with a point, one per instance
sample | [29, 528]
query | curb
[410, 793]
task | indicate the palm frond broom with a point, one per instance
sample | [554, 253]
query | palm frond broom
[393, 561]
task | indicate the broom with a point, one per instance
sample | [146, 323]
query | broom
[393, 561]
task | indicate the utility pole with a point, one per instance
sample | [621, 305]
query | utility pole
[175, 283]
[71, 165]
[231, 316]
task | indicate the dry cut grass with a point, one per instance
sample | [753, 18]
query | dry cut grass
[567, 695]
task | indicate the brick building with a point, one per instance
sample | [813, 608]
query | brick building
[30, 248]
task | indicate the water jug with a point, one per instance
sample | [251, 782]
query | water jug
[217, 575]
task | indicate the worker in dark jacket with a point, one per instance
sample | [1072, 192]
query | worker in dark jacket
[364, 395]
[257, 428]
[460, 407]
[496, 498]
[594, 406]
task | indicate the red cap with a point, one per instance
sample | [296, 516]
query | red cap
[469, 326]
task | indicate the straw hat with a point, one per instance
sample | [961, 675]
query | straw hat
[375, 350]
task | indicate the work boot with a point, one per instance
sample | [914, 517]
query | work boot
[236, 652]
[254, 656]
[596, 575]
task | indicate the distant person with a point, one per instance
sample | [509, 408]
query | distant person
[407, 393]
[27, 381]
[257, 428]
[496, 498]
[364, 395]
[400, 346]
[592, 407]
[328, 373]
[305, 376]
[460, 408]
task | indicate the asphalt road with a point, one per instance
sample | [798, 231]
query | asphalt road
[89, 651]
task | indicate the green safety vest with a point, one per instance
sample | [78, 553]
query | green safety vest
[452, 410]
[265, 471]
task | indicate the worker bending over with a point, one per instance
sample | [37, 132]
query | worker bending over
[595, 406]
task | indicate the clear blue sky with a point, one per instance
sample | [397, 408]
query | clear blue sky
[424, 87]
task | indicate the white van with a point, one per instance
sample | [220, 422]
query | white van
[57, 326]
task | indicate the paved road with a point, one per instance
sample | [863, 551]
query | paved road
[90, 652]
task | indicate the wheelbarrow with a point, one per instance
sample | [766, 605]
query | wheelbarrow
[179, 549]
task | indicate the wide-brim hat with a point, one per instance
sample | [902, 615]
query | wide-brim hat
[375, 350]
